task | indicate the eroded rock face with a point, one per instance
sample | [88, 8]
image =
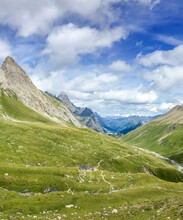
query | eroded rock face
[85, 115]
[14, 78]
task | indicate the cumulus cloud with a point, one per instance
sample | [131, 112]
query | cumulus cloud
[92, 82]
[112, 102]
[28, 17]
[166, 77]
[38, 17]
[164, 107]
[166, 69]
[160, 57]
[130, 96]
[66, 43]
[88, 83]
[120, 66]
[5, 49]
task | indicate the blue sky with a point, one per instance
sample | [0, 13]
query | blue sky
[118, 57]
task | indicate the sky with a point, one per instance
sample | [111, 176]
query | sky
[118, 57]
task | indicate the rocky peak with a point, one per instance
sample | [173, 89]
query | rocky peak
[8, 60]
[65, 100]
[14, 75]
[64, 97]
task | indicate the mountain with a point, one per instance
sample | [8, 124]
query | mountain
[123, 125]
[163, 135]
[16, 82]
[85, 115]
[51, 170]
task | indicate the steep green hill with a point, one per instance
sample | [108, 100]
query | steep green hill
[53, 172]
[163, 135]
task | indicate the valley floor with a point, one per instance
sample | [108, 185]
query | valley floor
[86, 194]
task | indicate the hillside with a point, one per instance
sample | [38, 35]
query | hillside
[81, 168]
[49, 171]
[14, 80]
[163, 135]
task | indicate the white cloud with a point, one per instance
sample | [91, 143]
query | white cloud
[5, 49]
[38, 17]
[120, 66]
[154, 108]
[66, 43]
[150, 3]
[87, 83]
[28, 17]
[52, 83]
[91, 82]
[130, 96]
[159, 57]
[169, 40]
[166, 77]
[167, 69]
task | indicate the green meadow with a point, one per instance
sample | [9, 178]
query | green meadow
[53, 172]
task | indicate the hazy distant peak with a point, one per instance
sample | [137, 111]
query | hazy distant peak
[64, 97]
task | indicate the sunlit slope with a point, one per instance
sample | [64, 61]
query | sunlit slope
[163, 135]
[92, 173]
[44, 144]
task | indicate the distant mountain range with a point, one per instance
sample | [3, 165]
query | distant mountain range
[123, 125]
[108, 124]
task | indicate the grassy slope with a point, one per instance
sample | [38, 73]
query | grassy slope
[166, 139]
[37, 154]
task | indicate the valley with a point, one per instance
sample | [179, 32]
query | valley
[50, 170]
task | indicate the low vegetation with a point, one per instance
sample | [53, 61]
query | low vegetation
[163, 138]
[53, 172]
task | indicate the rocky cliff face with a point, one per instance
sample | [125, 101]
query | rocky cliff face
[13, 78]
[85, 115]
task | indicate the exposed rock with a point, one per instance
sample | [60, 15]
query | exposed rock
[85, 115]
[50, 190]
[69, 206]
[114, 211]
[13, 78]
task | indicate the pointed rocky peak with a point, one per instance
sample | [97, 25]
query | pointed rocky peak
[14, 74]
[8, 62]
[65, 100]
[64, 97]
